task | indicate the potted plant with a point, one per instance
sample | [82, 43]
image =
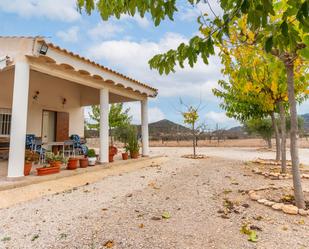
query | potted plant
[125, 155]
[122, 134]
[54, 164]
[133, 145]
[134, 150]
[72, 163]
[30, 158]
[83, 162]
[92, 158]
[112, 152]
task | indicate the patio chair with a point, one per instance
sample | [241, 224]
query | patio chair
[29, 141]
[69, 148]
[37, 147]
[80, 147]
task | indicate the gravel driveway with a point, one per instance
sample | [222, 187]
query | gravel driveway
[125, 211]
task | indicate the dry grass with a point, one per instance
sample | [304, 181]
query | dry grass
[251, 142]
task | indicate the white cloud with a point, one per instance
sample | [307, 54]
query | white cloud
[221, 119]
[141, 21]
[189, 13]
[105, 30]
[51, 9]
[132, 57]
[70, 35]
[154, 113]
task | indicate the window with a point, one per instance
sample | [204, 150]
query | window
[5, 122]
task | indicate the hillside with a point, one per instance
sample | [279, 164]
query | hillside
[166, 126]
[166, 129]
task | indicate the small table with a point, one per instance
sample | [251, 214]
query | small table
[55, 146]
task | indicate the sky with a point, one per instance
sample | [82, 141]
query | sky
[126, 45]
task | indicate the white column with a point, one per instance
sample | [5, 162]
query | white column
[104, 110]
[145, 136]
[19, 120]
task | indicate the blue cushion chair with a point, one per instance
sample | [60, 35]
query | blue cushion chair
[79, 145]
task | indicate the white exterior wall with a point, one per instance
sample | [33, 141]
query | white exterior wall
[52, 91]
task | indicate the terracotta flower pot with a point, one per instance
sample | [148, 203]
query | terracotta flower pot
[47, 171]
[27, 168]
[83, 162]
[72, 163]
[56, 164]
[113, 150]
[134, 155]
[111, 157]
[125, 156]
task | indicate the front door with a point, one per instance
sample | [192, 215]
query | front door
[62, 126]
[48, 126]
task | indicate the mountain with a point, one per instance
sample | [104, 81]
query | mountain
[166, 126]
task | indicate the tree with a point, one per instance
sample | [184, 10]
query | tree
[261, 127]
[190, 118]
[117, 118]
[281, 26]
[255, 71]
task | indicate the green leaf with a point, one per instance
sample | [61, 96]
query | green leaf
[252, 236]
[269, 44]
[245, 6]
[284, 28]
[305, 53]
[166, 215]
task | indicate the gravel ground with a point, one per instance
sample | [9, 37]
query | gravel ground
[127, 209]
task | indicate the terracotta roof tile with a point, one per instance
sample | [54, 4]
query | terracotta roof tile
[42, 39]
[98, 65]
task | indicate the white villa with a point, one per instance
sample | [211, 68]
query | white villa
[44, 89]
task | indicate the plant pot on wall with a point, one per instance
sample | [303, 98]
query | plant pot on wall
[56, 164]
[30, 158]
[92, 158]
[134, 154]
[72, 163]
[83, 162]
[27, 168]
[111, 158]
[92, 161]
[125, 156]
[113, 150]
[48, 170]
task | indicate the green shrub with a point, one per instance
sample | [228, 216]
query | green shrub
[91, 153]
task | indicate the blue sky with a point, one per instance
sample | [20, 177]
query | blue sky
[126, 45]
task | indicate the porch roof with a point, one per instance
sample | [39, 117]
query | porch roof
[61, 59]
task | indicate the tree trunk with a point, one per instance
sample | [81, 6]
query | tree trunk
[194, 146]
[277, 136]
[283, 136]
[268, 140]
[298, 192]
[193, 139]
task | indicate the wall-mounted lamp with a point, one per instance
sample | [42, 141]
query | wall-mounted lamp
[36, 96]
[44, 48]
[64, 101]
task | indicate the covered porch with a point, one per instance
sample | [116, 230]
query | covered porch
[44, 90]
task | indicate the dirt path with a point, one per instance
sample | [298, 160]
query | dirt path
[125, 208]
[235, 153]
